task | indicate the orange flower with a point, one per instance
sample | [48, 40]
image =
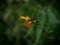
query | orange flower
[27, 18]
[28, 24]
[21, 17]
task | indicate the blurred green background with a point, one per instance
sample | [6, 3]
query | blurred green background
[46, 31]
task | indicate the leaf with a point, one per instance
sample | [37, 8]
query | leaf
[41, 20]
[52, 16]
[16, 29]
[38, 33]
[7, 14]
[9, 34]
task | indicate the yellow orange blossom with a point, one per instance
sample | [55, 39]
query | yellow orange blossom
[21, 17]
[28, 24]
[24, 18]
[27, 18]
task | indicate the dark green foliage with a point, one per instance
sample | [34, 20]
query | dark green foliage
[45, 31]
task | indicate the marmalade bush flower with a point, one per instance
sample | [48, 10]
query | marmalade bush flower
[21, 17]
[27, 22]
[27, 18]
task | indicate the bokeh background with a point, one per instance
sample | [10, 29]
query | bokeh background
[46, 31]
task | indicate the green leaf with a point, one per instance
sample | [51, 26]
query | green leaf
[41, 20]
[9, 34]
[7, 14]
[38, 32]
[16, 29]
[51, 16]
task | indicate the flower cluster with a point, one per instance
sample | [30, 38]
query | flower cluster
[27, 22]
